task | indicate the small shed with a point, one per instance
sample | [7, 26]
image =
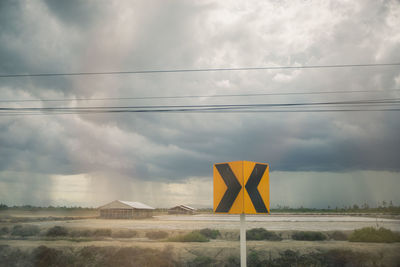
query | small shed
[181, 209]
[120, 209]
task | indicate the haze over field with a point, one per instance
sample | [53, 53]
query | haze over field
[163, 159]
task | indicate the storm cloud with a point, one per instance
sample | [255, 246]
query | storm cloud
[169, 150]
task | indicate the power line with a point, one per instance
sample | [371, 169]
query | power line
[209, 111]
[365, 101]
[354, 105]
[196, 96]
[197, 70]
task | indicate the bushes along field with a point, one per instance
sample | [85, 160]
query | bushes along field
[134, 256]
[194, 236]
[124, 234]
[338, 235]
[156, 235]
[26, 230]
[262, 234]
[370, 234]
[210, 233]
[57, 231]
[308, 236]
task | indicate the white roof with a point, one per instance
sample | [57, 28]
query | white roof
[121, 204]
[136, 205]
[188, 207]
[183, 207]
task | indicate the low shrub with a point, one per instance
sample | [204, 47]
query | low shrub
[45, 256]
[232, 261]
[342, 257]
[210, 233]
[156, 235]
[124, 234]
[26, 230]
[81, 233]
[102, 232]
[338, 235]
[370, 234]
[14, 256]
[57, 231]
[4, 230]
[253, 259]
[262, 234]
[308, 236]
[194, 236]
[91, 233]
[336, 257]
[201, 261]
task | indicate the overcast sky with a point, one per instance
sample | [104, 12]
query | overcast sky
[164, 159]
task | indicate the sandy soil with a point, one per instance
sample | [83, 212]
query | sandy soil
[274, 223]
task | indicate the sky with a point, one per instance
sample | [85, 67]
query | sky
[316, 159]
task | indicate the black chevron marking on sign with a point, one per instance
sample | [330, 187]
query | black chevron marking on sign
[233, 189]
[251, 187]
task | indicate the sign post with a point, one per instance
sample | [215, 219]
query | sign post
[243, 256]
[241, 187]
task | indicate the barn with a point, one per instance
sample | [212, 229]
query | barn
[181, 209]
[120, 209]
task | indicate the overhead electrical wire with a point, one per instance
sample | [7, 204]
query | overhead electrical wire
[16, 75]
[196, 96]
[334, 106]
[367, 101]
[357, 105]
[210, 111]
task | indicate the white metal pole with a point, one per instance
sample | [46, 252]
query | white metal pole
[243, 260]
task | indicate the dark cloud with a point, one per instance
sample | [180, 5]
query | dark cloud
[73, 36]
[76, 12]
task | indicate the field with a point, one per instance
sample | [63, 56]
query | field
[30, 238]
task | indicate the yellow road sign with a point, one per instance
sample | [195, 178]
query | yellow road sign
[241, 187]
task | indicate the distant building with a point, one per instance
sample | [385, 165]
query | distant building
[119, 209]
[181, 209]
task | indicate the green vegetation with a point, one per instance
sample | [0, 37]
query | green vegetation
[194, 236]
[335, 257]
[11, 219]
[57, 231]
[103, 256]
[384, 208]
[253, 259]
[26, 230]
[308, 236]
[156, 235]
[91, 233]
[338, 235]
[370, 234]
[134, 256]
[232, 261]
[201, 261]
[262, 234]
[210, 233]
[48, 208]
[124, 234]
[102, 232]
[4, 230]
[44, 256]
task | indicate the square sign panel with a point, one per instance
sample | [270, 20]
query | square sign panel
[241, 187]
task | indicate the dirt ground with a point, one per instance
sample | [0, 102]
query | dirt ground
[228, 222]
[224, 247]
